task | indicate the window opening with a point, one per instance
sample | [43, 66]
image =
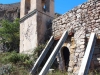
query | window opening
[46, 5]
[27, 6]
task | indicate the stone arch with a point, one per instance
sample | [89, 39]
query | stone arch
[27, 6]
[65, 57]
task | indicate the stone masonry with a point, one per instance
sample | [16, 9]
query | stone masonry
[80, 21]
[35, 17]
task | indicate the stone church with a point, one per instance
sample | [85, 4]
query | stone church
[37, 15]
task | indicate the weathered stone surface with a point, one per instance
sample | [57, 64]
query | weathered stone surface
[76, 54]
[78, 51]
[82, 46]
[76, 69]
[85, 15]
[81, 54]
[71, 63]
[70, 69]
[82, 43]
[73, 46]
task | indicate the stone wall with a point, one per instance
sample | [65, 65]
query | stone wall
[76, 46]
[28, 34]
[86, 15]
[77, 51]
[81, 20]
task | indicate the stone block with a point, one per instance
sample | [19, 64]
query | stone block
[82, 36]
[76, 54]
[73, 46]
[75, 69]
[78, 16]
[70, 69]
[82, 49]
[72, 51]
[82, 40]
[82, 46]
[82, 43]
[79, 10]
[78, 51]
[71, 63]
[81, 55]
[75, 59]
[98, 20]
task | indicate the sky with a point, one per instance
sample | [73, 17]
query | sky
[61, 6]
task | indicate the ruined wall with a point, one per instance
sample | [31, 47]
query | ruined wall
[87, 14]
[76, 46]
[77, 50]
[81, 20]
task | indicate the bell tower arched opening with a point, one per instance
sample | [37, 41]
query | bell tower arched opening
[45, 5]
[27, 6]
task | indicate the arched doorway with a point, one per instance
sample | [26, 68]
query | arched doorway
[65, 56]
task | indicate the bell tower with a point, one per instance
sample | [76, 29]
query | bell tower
[35, 15]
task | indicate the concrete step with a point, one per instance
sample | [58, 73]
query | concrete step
[54, 54]
[42, 56]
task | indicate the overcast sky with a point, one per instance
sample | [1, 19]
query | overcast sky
[61, 6]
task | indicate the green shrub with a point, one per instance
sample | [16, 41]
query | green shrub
[16, 58]
[39, 49]
[11, 69]
[37, 52]
[21, 63]
[9, 34]
[6, 69]
[57, 72]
